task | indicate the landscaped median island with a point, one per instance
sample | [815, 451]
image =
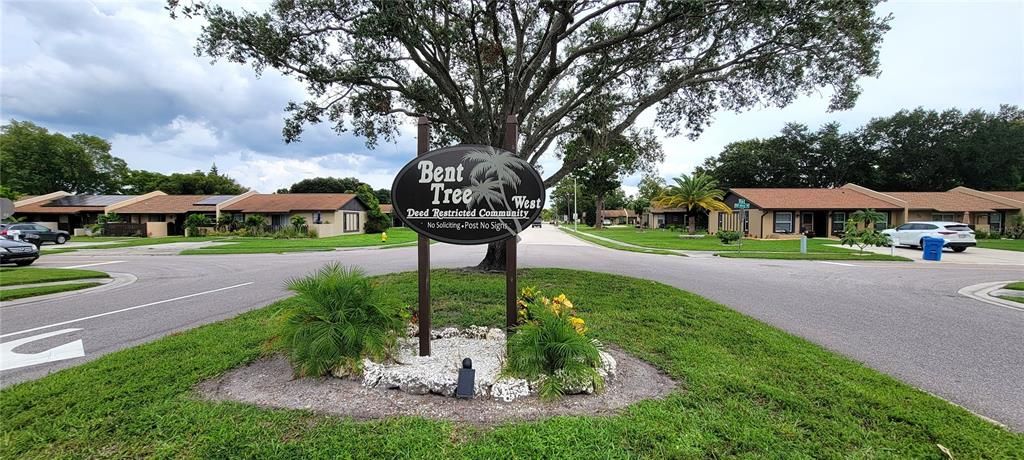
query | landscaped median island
[21, 293]
[397, 237]
[43, 281]
[744, 389]
[1018, 286]
[789, 249]
[611, 245]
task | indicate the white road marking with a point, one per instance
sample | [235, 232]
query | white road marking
[837, 263]
[125, 309]
[95, 264]
[9, 359]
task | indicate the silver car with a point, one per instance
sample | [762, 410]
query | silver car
[958, 236]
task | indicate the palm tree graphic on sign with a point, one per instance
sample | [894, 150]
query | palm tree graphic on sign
[493, 175]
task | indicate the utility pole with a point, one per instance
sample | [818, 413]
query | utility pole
[575, 209]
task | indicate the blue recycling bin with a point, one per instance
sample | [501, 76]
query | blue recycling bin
[932, 248]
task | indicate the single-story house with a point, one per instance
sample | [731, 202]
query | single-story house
[329, 214]
[67, 212]
[165, 214]
[789, 212]
[988, 213]
[661, 217]
[389, 211]
[619, 216]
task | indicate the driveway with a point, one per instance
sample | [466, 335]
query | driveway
[906, 320]
[972, 256]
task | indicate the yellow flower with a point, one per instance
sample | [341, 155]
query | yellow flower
[561, 299]
[578, 324]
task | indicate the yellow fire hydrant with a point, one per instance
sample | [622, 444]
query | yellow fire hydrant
[383, 237]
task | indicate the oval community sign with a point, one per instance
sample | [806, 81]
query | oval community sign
[468, 194]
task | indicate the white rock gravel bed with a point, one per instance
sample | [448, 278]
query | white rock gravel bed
[438, 373]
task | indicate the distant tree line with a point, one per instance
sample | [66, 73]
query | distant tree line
[912, 150]
[335, 185]
[35, 161]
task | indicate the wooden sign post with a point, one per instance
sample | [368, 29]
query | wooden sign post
[467, 194]
[511, 245]
[423, 251]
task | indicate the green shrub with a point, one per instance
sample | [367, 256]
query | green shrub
[194, 221]
[672, 228]
[728, 236]
[551, 346]
[981, 234]
[338, 319]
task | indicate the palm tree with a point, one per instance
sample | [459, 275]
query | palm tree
[699, 191]
[494, 174]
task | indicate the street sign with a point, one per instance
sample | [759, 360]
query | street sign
[741, 204]
[6, 208]
[468, 194]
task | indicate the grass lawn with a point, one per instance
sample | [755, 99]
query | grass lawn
[665, 239]
[20, 293]
[1014, 298]
[89, 239]
[1018, 286]
[13, 276]
[133, 242]
[600, 242]
[748, 390]
[396, 237]
[813, 256]
[1006, 245]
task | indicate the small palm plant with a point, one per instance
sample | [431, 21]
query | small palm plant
[339, 318]
[699, 191]
[552, 347]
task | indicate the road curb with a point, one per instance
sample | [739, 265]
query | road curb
[116, 280]
[983, 292]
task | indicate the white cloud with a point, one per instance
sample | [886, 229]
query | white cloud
[126, 71]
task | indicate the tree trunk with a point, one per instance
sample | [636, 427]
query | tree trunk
[494, 260]
[691, 223]
[599, 206]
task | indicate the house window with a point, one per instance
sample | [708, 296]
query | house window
[995, 222]
[783, 222]
[882, 223]
[317, 217]
[943, 217]
[351, 222]
[838, 222]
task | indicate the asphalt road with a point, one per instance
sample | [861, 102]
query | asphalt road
[904, 319]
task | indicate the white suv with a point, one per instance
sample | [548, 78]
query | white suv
[958, 236]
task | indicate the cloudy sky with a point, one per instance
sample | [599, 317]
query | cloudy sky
[127, 72]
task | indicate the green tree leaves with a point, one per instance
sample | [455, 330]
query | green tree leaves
[912, 150]
[35, 161]
[468, 64]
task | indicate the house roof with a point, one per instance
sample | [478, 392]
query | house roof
[386, 208]
[617, 213]
[73, 204]
[811, 198]
[168, 204]
[1016, 196]
[951, 201]
[289, 202]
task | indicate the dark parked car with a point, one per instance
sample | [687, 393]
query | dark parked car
[44, 233]
[17, 252]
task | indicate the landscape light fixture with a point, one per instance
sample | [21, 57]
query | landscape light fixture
[467, 374]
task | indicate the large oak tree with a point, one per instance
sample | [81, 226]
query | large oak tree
[468, 64]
